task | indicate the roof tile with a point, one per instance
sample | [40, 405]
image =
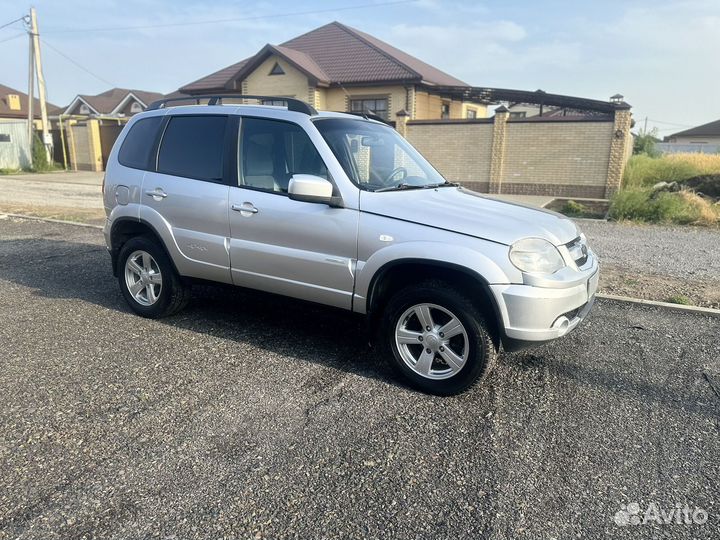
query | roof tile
[336, 53]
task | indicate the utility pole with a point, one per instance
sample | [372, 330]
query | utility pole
[31, 95]
[645, 128]
[47, 140]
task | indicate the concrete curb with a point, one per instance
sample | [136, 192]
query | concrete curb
[51, 220]
[679, 307]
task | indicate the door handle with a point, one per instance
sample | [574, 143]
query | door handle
[245, 207]
[158, 193]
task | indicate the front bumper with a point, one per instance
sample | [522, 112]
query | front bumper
[532, 313]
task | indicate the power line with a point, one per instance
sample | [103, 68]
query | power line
[98, 77]
[668, 123]
[12, 37]
[236, 19]
[13, 22]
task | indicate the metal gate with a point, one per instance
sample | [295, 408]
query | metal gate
[108, 134]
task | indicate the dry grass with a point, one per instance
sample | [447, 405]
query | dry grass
[683, 207]
[644, 171]
[707, 213]
[703, 163]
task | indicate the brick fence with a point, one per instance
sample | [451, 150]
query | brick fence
[557, 156]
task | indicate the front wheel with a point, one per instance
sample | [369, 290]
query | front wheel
[437, 339]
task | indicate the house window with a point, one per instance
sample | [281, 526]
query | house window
[378, 106]
[135, 107]
[274, 102]
[277, 70]
[84, 109]
[445, 110]
[518, 114]
[471, 114]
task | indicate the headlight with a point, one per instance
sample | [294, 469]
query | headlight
[536, 255]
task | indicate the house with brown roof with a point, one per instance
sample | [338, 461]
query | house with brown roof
[14, 106]
[116, 102]
[339, 68]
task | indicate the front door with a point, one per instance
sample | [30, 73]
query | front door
[300, 249]
[190, 192]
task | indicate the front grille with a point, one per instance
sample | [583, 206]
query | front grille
[578, 251]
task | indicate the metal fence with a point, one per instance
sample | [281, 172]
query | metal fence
[15, 151]
[676, 148]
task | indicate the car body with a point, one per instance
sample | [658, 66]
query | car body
[310, 205]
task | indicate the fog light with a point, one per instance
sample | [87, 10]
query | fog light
[561, 324]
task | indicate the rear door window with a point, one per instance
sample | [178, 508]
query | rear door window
[137, 148]
[193, 147]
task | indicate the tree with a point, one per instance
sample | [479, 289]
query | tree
[644, 143]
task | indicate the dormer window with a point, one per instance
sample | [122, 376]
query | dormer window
[84, 109]
[135, 107]
[277, 70]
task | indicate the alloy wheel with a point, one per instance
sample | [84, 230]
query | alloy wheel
[143, 277]
[432, 341]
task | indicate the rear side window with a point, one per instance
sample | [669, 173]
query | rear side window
[192, 146]
[136, 149]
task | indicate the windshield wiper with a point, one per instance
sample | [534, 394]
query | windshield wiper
[399, 187]
[402, 185]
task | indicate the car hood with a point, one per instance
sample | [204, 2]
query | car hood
[466, 212]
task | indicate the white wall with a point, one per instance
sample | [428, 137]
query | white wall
[14, 154]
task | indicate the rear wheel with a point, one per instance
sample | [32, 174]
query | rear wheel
[437, 339]
[148, 280]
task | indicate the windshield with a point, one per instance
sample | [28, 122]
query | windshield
[376, 157]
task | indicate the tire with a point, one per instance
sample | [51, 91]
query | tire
[160, 291]
[458, 361]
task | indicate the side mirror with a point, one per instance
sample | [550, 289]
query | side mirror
[312, 189]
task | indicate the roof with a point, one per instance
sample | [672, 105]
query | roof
[108, 101]
[335, 54]
[7, 112]
[539, 97]
[711, 129]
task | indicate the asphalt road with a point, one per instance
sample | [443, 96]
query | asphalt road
[252, 416]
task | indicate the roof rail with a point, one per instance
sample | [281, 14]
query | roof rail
[293, 104]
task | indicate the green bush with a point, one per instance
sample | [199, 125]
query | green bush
[39, 156]
[643, 171]
[644, 143]
[574, 208]
[664, 207]
[679, 299]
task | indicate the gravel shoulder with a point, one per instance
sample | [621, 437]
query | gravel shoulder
[657, 262]
[68, 196]
[253, 416]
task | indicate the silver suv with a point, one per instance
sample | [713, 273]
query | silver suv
[341, 210]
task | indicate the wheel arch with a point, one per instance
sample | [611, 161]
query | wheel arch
[126, 228]
[394, 275]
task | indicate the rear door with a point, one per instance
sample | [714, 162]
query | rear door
[190, 190]
[300, 249]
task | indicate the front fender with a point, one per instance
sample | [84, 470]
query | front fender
[437, 253]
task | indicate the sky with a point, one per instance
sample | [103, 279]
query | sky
[663, 56]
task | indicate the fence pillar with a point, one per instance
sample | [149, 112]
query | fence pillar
[497, 149]
[619, 151]
[93, 127]
[72, 143]
[402, 117]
